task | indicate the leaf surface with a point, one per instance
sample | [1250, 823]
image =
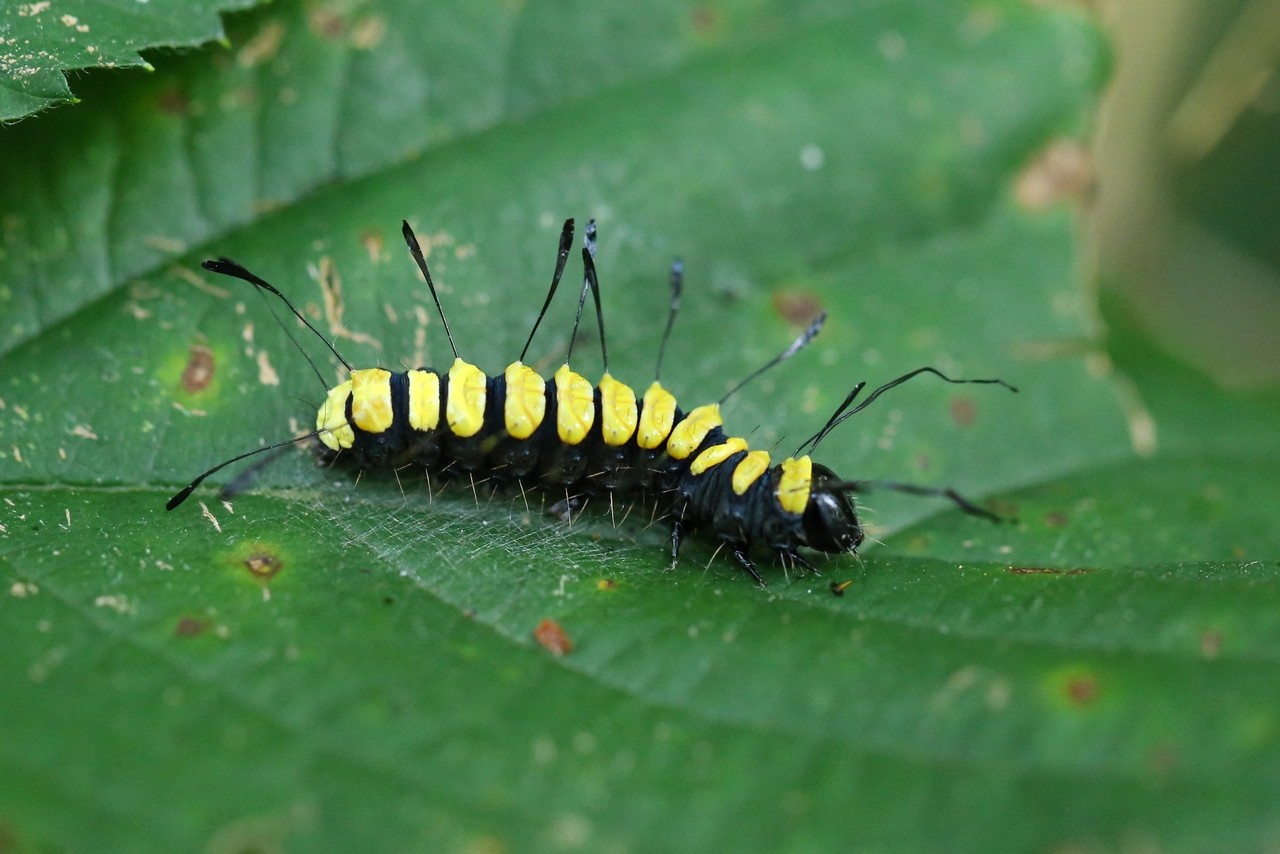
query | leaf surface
[327, 661]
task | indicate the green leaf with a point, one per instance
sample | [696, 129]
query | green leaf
[329, 662]
[41, 40]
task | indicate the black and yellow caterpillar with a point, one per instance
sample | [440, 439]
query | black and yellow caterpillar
[564, 433]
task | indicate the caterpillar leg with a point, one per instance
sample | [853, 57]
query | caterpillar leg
[569, 508]
[740, 555]
[676, 522]
[794, 559]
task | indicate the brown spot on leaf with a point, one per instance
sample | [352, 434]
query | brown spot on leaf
[963, 411]
[190, 627]
[324, 21]
[173, 100]
[198, 373]
[552, 636]
[1210, 644]
[10, 843]
[1081, 689]
[707, 20]
[1055, 519]
[263, 565]
[1003, 507]
[606, 584]
[797, 308]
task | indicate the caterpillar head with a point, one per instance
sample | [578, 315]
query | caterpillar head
[830, 522]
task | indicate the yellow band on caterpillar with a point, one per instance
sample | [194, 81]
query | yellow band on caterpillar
[618, 414]
[575, 406]
[526, 404]
[331, 419]
[716, 454]
[749, 470]
[793, 486]
[465, 408]
[690, 432]
[424, 400]
[371, 400]
[656, 418]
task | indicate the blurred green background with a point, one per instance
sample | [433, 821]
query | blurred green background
[1184, 225]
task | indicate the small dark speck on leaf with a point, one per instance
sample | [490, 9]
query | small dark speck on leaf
[1044, 570]
[1056, 519]
[838, 587]
[387, 600]
[552, 636]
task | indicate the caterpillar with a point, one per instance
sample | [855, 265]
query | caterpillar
[564, 433]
